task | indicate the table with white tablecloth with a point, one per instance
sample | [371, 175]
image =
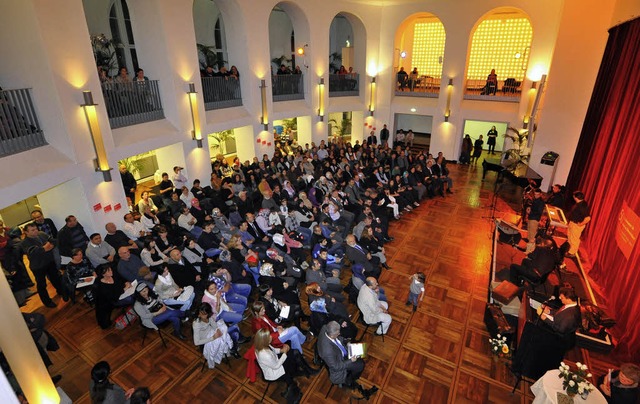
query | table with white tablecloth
[546, 388]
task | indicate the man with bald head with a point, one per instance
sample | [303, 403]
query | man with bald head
[131, 267]
[373, 310]
[116, 238]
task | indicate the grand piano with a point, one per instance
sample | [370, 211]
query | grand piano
[522, 175]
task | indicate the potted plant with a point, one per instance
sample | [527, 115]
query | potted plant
[500, 347]
[104, 53]
[575, 382]
[208, 56]
[220, 141]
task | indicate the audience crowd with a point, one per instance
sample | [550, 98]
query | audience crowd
[245, 245]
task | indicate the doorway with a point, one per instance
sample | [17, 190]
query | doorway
[421, 125]
[476, 128]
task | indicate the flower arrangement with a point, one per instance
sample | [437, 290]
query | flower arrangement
[575, 382]
[499, 346]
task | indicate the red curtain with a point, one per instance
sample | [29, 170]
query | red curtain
[606, 168]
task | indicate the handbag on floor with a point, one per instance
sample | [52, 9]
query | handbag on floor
[125, 319]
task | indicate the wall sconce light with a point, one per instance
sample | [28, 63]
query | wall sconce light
[532, 96]
[321, 99]
[101, 162]
[372, 101]
[196, 133]
[301, 50]
[447, 111]
[264, 119]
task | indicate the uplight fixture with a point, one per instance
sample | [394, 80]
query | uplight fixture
[101, 162]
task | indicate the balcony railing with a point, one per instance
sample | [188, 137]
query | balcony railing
[19, 127]
[221, 92]
[418, 86]
[132, 103]
[507, 90]
[287, 87]
[344, 85]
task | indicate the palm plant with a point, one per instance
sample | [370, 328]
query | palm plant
[220, 140]
[341, 130]
[208, 56]
[133, 164]
[104, 53]
[335, 61]
[282, 60]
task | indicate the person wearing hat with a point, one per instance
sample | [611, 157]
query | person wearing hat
[623, 385]
[153, 312]
[537, 208]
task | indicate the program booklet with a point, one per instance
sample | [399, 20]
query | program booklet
[359, 349]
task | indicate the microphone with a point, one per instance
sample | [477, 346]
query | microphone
[552, 298]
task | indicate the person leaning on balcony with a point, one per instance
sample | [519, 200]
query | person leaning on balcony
[140, 76]
[207, 72]
[123, 76]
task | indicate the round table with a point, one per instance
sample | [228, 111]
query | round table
[546, 388]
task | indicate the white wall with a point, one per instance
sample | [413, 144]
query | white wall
[417, 123]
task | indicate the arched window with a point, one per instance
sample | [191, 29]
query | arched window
[419, 50]
[501, 42]
[122, 34]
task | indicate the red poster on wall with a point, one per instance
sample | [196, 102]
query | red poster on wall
[117, 207]
[97, 207]
[107, 208]
[627, 230]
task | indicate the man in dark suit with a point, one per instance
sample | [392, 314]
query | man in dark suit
[342, 370]
[183, 272]
[566, 320]
[384, 135]
[358, 255]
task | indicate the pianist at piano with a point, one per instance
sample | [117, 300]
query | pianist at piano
[536, 264]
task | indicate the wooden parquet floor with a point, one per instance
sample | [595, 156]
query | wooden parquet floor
[439, 354]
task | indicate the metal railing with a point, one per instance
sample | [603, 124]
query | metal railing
[418, 86]
[344, 85]
[287, 87]
[19, 126]
[506, 90]
[132, 103]
[221, 92]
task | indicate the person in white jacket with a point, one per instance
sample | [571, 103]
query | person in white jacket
[214, 336]
[275, 363]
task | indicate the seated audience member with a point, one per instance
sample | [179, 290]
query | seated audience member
[373, 310]
[101, 390]
[186, 220]
[152, 256]
[149, 220]
[536, 264]
[279, 310]
[277, 364]
[279, 334]
[210, 239]
[621, 386]
[183, 272]
[134, 230]
[239, 274]
[99, 252]
[329, 285]
[166, 189]
[146, 202]
[116, 238]
[373, 246]
[441, 171]
[171, 294]
[342, 369]
[108, 291]
[131, 267]
[196, 256]
[214, 337]
[175, 205]
[231, 313]
[72, 235]
[358, 255]
[318, 298]
[166, 242]
[153, 312]
[79, 269]
[186, 196]
[201, 214]
[283, 288]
